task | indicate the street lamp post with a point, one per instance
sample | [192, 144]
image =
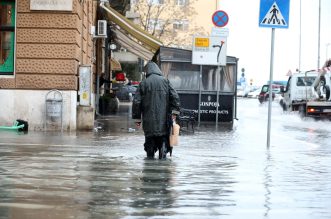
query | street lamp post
[326, 51]
[300, 41]
[218, 5]
[319, 32]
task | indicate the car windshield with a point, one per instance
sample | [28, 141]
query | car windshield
[265, 88]
[275, 88]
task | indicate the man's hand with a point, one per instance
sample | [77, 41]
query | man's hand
[173, 116]
[138, 124]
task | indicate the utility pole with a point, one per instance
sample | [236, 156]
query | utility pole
[326, 51]
[218, 5]
[300, 41]
[319, 33]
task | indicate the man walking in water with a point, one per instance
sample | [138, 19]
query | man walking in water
[155, 100]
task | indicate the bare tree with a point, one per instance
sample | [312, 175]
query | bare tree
[120, 6]
[172, 21]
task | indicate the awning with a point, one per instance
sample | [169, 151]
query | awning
[136, 37]
[115, 65]
[133, 46]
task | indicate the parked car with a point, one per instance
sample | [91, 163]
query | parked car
[264, 93]
[254, 94]
[124, 92]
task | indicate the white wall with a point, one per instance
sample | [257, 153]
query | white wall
[30, 106]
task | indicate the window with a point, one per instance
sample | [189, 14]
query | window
[181, 2]
[214, 78]
[180, 25]
[7, 37]
[183, 76]
[155, 2]
[305, 81]
[155, 24]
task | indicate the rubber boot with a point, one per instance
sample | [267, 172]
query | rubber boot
[163, 151]
[150, 152]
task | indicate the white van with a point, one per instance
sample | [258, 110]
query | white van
[298, 90]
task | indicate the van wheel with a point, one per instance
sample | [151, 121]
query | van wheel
[281, 103]
[284, 107]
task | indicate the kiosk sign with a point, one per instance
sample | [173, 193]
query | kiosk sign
[201, 43]
[209, 50]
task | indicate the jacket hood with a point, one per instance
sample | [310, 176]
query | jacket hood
[152, 68]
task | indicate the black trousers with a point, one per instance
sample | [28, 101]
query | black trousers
[154, 143]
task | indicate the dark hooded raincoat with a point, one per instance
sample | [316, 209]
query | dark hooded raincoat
[155, 100]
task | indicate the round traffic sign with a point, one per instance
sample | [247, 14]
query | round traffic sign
[220, 18]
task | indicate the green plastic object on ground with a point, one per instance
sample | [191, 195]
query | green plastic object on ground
[19, 125]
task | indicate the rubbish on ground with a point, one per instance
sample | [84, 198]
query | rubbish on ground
[131, 130]
[19, 125]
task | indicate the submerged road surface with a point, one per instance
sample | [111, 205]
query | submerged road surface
[213, 173]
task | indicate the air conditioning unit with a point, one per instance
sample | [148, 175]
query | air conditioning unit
[102, 28]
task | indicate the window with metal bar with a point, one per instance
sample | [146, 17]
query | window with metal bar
[7, 37]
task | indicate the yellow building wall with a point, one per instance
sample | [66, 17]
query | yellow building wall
[205, 10]
[50, 45]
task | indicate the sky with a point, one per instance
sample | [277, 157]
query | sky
[252, 44]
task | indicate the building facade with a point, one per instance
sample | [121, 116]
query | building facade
[43, 44]
[175, 22]
[48, 45]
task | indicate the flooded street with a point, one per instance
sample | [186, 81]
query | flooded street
[212, 174]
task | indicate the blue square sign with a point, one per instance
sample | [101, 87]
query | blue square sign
[274, 13]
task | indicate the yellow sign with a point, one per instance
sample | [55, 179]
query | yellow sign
[201, 42]
[85, 95]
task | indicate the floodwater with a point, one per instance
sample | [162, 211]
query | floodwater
[213, 173]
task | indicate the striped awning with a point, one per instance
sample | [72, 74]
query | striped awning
[115, 65]
[131, 36]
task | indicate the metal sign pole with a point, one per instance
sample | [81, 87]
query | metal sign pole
[199, 107]
[273, 14]
[218, 72]
[270, 85]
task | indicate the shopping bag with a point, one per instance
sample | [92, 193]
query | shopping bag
[174, 134]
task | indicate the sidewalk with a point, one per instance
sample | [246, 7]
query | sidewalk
[120, 122]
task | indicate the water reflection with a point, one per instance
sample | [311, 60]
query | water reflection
[107, 180]
[154, 195]
[267, 183]
[212, 174]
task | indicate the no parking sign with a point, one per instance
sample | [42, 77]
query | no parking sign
[220, 18]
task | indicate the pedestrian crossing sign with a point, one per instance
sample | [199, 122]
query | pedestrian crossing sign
[274, 13]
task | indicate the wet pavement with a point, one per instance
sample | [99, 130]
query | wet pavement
[214, 173]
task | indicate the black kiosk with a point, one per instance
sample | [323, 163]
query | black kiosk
[206, 89]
